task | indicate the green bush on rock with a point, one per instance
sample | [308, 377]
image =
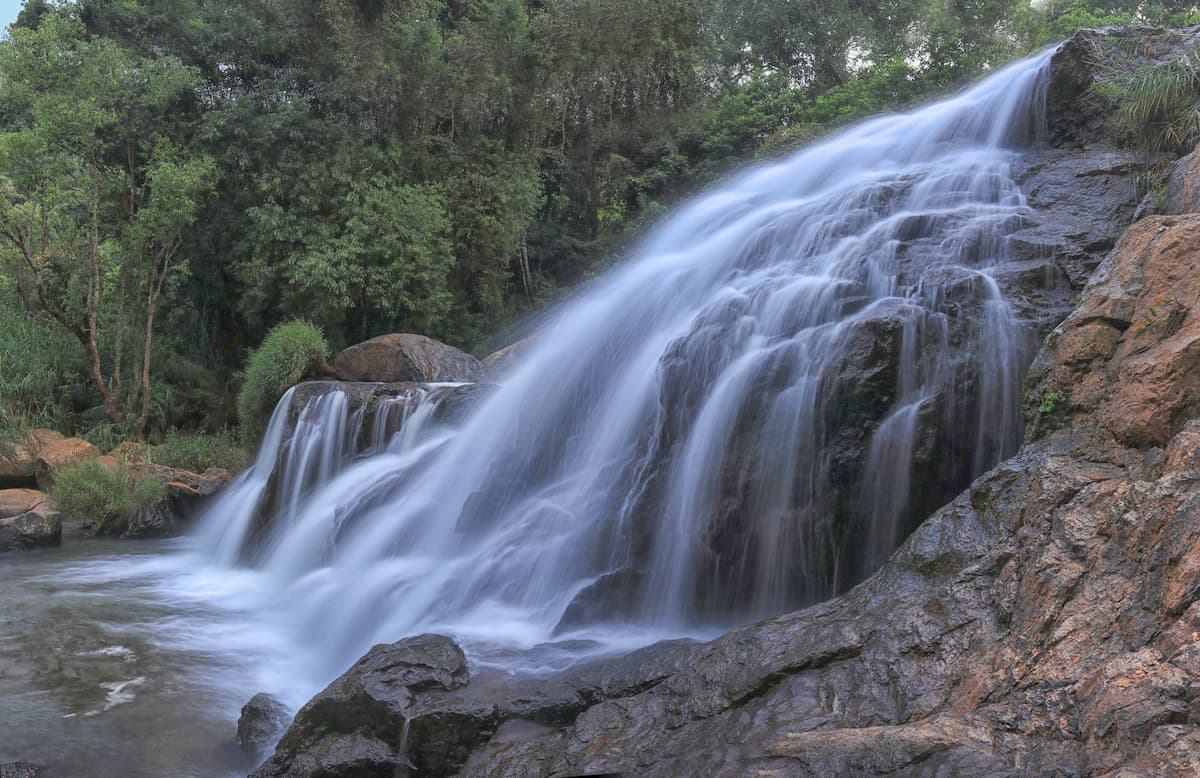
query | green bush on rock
[290, 352]
[102, 493]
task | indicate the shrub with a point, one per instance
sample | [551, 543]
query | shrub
[1157, 104]
[197, 453]
[90, 490]
[290, 352]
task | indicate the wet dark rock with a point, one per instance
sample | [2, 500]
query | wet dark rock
[403, 357]
[1083, 199]
[362, 723]
[263, 719]
[1078, 115]
[609, 597]
[454, 402]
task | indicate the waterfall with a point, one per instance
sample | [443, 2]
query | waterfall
[746, 416]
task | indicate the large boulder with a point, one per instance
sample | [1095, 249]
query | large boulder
[28, 520]
[14, 502]
[18, 457]
[400, 358]
[361, 723]
[1077, 114]
[500, 363]
[59, 455]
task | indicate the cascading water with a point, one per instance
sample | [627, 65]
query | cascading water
[745, 418]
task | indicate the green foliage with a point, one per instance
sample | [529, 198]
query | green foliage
[42, 372]
[95, 194]
[1050, 402]
[291, 351]
[213, 168]
[1158, 104]
[90, 490]
[197, 453]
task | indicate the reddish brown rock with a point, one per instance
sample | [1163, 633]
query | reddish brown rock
[1129, 354]
[28, 520]
[17, 458]
[14, 502]
[58, 455]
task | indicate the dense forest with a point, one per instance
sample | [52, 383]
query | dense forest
[181, 176]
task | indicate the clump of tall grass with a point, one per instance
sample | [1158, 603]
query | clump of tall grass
[1157, 103]
[291, 352]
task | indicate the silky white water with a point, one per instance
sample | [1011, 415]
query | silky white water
[666, 459]
[746, 416]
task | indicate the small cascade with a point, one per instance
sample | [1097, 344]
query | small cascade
[308, 442]
[746, 417]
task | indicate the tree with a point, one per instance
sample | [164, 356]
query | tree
[94, 196]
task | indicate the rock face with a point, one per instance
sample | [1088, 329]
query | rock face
[1128, 359]
[263, 719]
[401, 358]
[1045, 622]
[17, 458]
[27, 520]
[60, 454]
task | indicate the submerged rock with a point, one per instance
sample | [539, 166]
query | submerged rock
[263, 719]
[403, 357]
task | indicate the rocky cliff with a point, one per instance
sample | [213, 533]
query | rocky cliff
[1045, 622]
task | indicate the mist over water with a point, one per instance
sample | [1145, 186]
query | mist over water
[672, 455]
